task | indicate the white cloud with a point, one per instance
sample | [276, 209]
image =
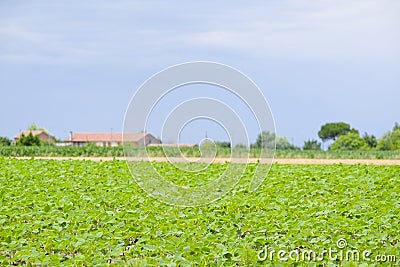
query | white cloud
[121, 31]
[327, 31]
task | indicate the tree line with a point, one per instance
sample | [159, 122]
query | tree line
[344, 137]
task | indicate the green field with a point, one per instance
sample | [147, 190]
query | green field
[94, 151]
[88, 213]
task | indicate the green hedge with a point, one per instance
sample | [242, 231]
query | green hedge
[94, 151]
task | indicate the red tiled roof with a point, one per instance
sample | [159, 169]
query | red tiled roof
[26, 132]
[106, 137]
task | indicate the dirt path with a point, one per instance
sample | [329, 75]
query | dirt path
[337, 161]
[222, 160]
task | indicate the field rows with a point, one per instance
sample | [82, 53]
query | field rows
[223, 160]
[94, 151]
[93, 213]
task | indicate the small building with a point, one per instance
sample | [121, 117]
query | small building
[111, 139]
[43, 135]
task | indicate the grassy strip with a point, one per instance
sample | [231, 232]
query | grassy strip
[93, 151]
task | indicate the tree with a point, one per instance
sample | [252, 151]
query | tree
[350, 141]
[269, 140]
[330, 131]
[312, 145]
[49, 141]
[29, 140]
[4, 141]
[33, 127]
[282, 143]
[390, 140]
[371, 140]
[265, 140]
[352, 130]
[241, 146]
[223, 144]
[396, 126]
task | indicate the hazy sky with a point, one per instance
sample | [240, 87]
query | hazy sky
[74, 65]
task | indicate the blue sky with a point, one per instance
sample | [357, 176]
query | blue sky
[74, 65]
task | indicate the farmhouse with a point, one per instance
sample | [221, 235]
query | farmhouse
[43, 135]
[111, 139]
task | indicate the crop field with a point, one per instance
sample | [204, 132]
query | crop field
[84, 213]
